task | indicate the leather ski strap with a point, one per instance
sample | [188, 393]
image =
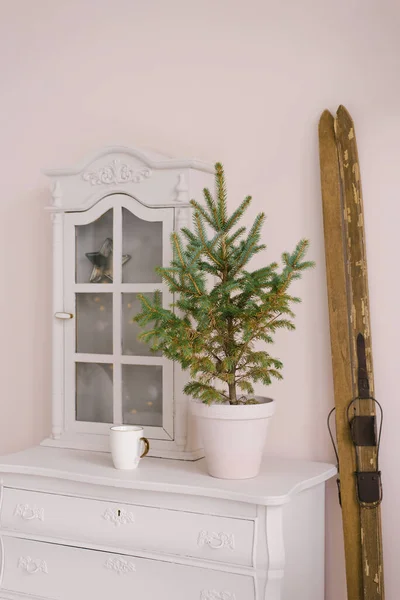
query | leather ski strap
[364, 434]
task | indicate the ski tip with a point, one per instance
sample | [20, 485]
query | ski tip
[326, 115]
[343, 113]
[325, 122]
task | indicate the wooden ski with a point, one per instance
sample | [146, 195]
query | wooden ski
[347, 282]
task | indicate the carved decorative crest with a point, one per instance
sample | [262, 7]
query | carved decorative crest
[32, 566]
[28, 513]
[120, 565]
[216, 540]
[118, 516]
[214, 595]
[116, 172]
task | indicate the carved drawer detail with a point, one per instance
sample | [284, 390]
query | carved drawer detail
[120, 565]
[128, 527]
[32, 566]
[36, 569]
[118, 516]
[216, 540]
[214, 595]
[28, 513]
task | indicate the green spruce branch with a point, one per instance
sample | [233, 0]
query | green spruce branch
[212, 329]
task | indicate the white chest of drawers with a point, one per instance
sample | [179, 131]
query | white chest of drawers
[74, 528]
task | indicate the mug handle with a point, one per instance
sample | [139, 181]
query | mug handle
[146, 446]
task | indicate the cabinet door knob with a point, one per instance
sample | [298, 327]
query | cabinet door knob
[63, 315]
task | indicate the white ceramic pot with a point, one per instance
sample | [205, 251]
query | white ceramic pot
[234, 436]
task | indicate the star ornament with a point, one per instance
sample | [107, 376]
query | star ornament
[102, 262]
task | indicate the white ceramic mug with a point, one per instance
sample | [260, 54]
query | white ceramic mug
[128, 446]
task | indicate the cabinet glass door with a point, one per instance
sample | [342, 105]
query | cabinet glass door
[112, 251]
[94, 323]
[94, 383]
[94, 250]
[142, 241]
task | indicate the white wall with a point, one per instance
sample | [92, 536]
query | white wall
[240, 82]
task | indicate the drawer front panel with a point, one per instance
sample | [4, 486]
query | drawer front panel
[64, 573]
[130, 527]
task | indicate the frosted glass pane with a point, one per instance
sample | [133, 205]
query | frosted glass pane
[142, 395]
[131, 306]
[94, 326]
[94, 250]
[142, 241]
[94, 392]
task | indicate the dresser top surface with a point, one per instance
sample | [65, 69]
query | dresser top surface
[278, 481]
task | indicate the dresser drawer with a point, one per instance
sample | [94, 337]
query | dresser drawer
[129, 527]
[68, 573]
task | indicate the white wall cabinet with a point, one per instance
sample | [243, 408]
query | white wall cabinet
[112, 220]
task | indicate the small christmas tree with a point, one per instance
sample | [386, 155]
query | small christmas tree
[212, 329]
